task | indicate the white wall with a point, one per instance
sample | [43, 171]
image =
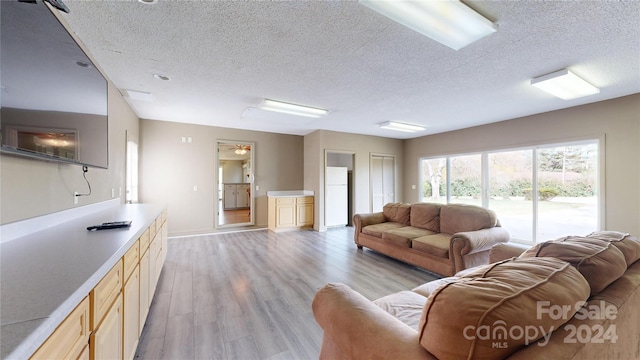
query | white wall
[169, 169]
[232, 171]
[618, 120]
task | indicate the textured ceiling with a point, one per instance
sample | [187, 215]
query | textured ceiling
[224, 57]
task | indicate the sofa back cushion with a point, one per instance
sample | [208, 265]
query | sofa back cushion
[397, 212]
[510, 304]
[598, 261]
[426, 216]
[628, 245]
[458, 217]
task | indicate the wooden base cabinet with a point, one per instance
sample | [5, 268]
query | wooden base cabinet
[131, 325]
[290, 213]
[106, 340]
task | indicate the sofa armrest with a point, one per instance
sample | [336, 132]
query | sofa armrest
[505, 251]
[361, 329]
[469, 242]
[362, 220]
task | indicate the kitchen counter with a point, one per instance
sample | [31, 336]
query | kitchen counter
[290, 193]
[44, 275]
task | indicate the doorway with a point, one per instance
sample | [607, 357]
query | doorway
[339, 188]
[234, 200]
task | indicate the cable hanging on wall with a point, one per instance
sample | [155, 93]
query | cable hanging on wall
[85, 169]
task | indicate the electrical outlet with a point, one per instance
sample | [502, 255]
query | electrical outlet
[75, 197]
[113, 193]
[257, 187]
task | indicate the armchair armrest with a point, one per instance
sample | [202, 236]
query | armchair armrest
[505, 251]
[362, 330]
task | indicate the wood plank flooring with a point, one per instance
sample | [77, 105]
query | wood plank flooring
[247, 295]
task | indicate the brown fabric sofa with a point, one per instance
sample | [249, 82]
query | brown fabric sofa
[564, 299]
[440, 238]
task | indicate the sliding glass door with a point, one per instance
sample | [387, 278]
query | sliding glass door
[539, 193]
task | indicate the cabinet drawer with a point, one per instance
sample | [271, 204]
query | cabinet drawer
[305, 200]
[70, 338]
[158, 224]
[144, 241]
[164, 216]
[103, 295]
[131, 259]
[286, 201]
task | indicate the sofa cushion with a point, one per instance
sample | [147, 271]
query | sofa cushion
[377, 229]
[509, 303]
[627, 244]
[406, 306]
[426, 216]
[397, 212]
[404, 235]
[459, 217]
[598, 261]
[436, 245]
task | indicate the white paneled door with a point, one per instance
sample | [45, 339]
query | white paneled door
[383, 181]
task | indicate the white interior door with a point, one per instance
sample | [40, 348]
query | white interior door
[383, 181]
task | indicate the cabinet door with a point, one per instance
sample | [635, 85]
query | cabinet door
[106, 340]
[304, 206]
[286, 212]
[230, 196]
[242, 195]
[145, 299]
[131, 314]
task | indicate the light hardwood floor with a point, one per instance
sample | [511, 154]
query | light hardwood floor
[247, 295]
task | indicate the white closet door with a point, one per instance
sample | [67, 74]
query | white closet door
[383, 181]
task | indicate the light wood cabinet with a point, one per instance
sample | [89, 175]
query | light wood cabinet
[131, 311]
[290, 213]
[106, 340]
[304, 208]
[104, 294]
[145, 298]
[71, 339]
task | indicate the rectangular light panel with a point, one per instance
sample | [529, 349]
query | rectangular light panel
[565, 85]
[451, 23]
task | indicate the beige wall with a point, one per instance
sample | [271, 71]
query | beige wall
[169, 170]
[618, 120]
[315, 146]
[32, 187]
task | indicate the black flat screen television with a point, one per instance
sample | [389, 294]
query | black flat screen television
[53, 100]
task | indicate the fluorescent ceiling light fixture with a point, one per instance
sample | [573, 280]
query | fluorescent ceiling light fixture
[398, 126]
[449, 22]
[565, 85]
[293, 109]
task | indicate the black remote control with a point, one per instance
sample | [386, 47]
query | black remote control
[110, 225]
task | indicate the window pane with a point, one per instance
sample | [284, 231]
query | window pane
[510, 183]
[466, 179]
[567, 191]
[434, 180]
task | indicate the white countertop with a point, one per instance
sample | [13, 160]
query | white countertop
[45, 275]
[290, 193]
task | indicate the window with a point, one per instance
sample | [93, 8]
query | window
[563, 177]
